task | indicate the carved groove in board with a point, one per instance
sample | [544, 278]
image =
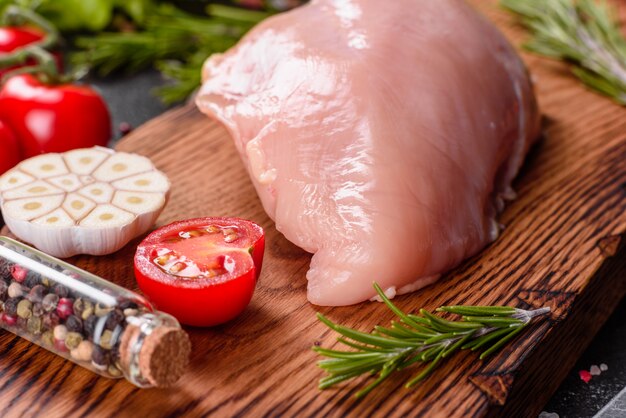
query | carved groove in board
[507, 361]
[609, 245]
[495, 386]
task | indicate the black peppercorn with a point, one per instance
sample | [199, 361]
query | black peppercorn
[127, 304]
[10, 306]
[101, 310]
[38, 309]
[3, 289]
[90, 325]
[36, 294]
[32, 280]
[114, 318]
[21, 322]
[115, 354]
[74, 324]
[50, 320]
[5, 270]
[60, 291]
[100, 357]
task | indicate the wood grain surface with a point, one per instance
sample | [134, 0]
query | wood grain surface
[561, 247]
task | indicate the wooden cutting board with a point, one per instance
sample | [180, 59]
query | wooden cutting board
[561, 248]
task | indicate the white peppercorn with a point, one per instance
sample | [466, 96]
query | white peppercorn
[83, 352]
[15, 290]
[60, 332]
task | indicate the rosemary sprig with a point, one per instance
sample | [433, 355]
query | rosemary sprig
[582, 32]
[173, 41]
[424, 338]
[184, 78]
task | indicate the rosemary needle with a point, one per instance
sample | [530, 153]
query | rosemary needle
[424, 338]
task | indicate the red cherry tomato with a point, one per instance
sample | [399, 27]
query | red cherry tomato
[13, 38]
[10, 152]
[53, 118]
[203, 271]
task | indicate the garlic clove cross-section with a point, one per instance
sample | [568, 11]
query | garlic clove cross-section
[85, 201]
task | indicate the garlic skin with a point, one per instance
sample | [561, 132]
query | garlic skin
[85, 201]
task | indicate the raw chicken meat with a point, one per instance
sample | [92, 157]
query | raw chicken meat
[382, 136]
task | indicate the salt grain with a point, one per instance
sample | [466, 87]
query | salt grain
[545, 414]
[604, 367]
[595, 370]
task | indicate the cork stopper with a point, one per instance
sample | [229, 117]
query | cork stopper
[164, 354]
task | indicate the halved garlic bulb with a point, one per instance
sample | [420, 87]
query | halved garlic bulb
[85, 201]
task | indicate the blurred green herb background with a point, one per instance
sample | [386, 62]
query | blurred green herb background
[128, 36]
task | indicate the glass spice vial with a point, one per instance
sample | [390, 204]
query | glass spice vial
[94, 323]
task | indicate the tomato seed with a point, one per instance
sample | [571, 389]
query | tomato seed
[231, 238]
[162, 260]
[212, 229]
[178, 267]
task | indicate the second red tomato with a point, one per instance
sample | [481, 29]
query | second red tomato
[10, 155]
[53, 118]
[13, 38]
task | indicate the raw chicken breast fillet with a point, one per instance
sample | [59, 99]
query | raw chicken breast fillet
[382, 136]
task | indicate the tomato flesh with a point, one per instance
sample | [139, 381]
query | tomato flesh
[203, 271]
[204, 252]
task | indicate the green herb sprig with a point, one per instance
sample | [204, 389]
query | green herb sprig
[173, 41]
[582, 32]
[423, 338]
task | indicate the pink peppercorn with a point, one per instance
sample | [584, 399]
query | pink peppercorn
[8, 319]
[65, 308]
[19, 273]
[60, 345]
[125, 128]
[585, 376]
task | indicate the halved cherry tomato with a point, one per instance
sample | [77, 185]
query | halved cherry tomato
[203, 271]
[55, 117]
[16, 37]
[9, 149]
